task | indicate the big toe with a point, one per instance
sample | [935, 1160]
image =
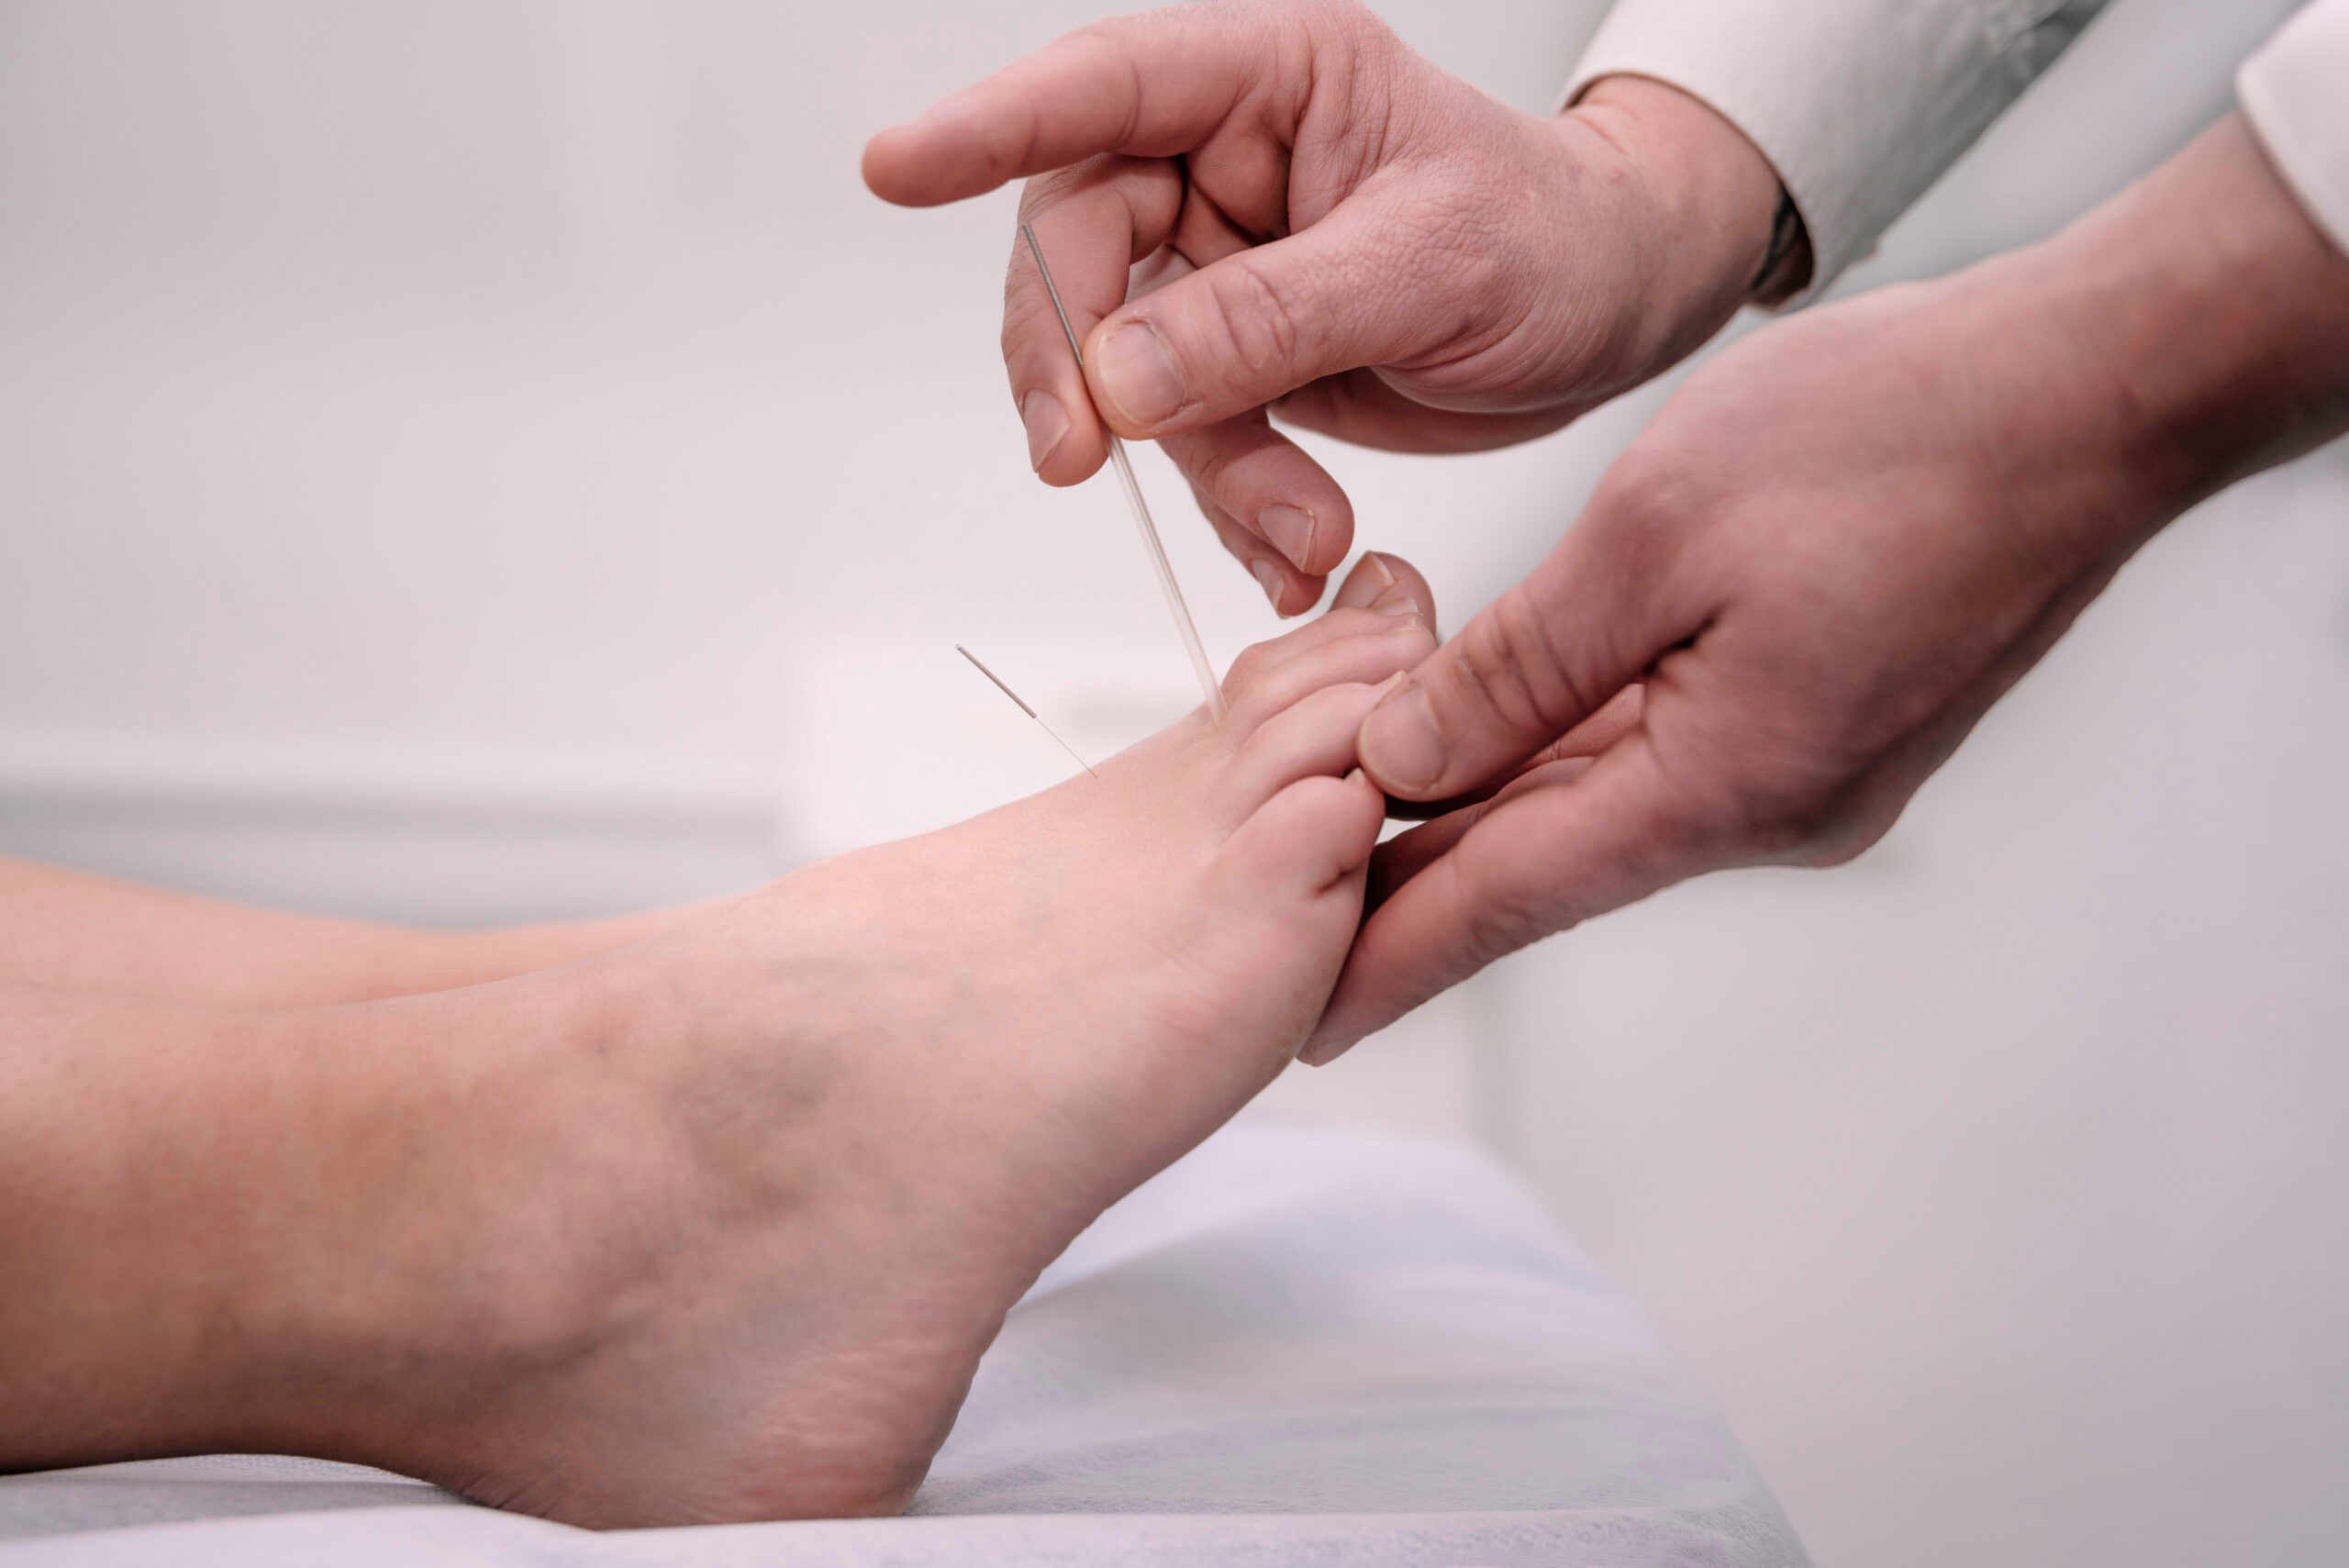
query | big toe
[1381, 581]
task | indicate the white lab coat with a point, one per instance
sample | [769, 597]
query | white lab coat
[1860, 104]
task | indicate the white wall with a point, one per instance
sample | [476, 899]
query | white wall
[471, 460]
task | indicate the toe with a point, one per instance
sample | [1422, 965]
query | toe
[1313, 738]
[1313, 835]
[1384, 622]
[1389, 583]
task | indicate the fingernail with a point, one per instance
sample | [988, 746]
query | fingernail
[1321, 1052]
[1269, 576]
[1047, 422]
[1290, 530]
[1138, 374]
[1399, 743]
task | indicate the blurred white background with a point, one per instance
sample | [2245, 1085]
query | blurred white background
[471, 460]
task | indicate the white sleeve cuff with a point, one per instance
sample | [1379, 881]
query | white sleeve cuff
[2295, 92]
[1859, 105]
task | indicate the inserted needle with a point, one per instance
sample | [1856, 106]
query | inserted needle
[1151, 544]
[1030, 712]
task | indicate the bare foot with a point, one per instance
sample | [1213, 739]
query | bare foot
[745, 1234]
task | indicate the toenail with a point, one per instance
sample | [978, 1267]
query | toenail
[1269, 576]
[1288, 529]
[1370, 579]
[1047, 422]
[1399, 744]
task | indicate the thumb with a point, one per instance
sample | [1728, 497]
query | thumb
[1353, 289]
[1540, 860]
[1590, 621]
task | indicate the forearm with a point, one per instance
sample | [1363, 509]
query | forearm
[2202, 319]
[72, 929]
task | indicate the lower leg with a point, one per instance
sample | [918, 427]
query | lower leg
[252, 1231]
[85, 932]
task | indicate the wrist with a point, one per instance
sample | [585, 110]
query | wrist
[2201, 318]
[1716, 231]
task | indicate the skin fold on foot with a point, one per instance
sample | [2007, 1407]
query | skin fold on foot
[716, 1226]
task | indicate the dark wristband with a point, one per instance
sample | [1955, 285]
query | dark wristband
[1786, 266]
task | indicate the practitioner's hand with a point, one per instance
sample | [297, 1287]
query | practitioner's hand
[1836, 547]
[1331, 226]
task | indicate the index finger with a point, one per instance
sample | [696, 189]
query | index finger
[1092, 223]
[1149, 86]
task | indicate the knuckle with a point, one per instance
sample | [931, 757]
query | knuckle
[1842, 850]
[1347, 25]
[1022, 321]
[1250, 666]
[1031, 334]
[1789, 826]
[1511, 669]
[1801, 816]
[1262, 324]
[1839, 837]
[1207, 462]
[1212, 510]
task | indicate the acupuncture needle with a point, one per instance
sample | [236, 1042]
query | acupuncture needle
[1030, 712]
[1151, 544]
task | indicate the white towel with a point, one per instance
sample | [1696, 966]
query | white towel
[1299, 1345]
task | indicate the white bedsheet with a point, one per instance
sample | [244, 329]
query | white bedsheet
[1298, 1346]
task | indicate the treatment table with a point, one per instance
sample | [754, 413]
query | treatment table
[1300, 1345]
